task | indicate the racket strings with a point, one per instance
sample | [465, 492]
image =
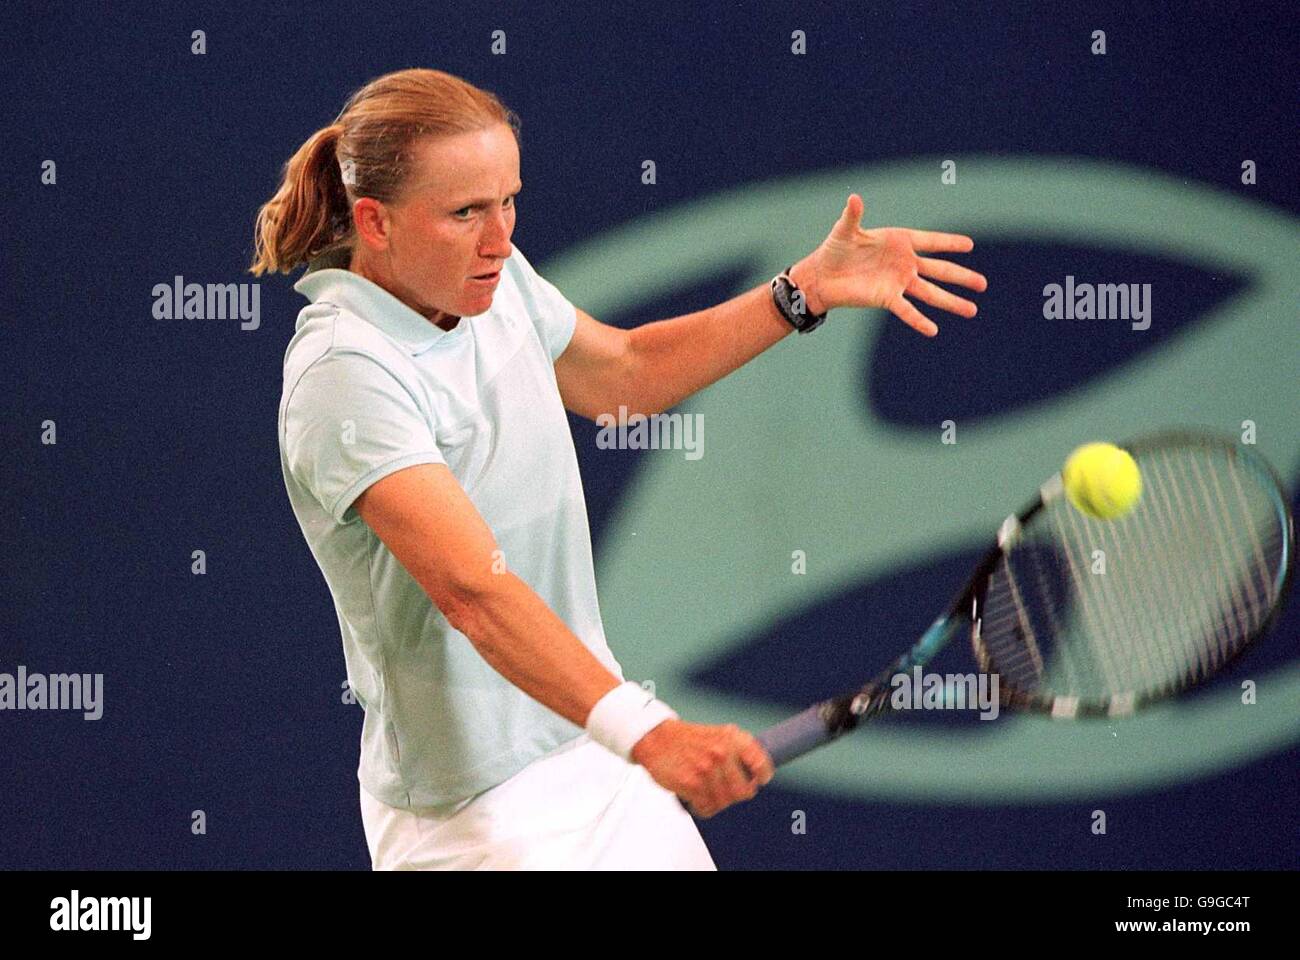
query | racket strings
[1218, 596]
[1144, 604]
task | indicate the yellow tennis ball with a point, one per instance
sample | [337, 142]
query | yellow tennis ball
[1102, 480]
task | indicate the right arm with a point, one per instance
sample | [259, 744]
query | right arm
[424, 517]
[431, 526]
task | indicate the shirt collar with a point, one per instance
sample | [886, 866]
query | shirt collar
[328, 279]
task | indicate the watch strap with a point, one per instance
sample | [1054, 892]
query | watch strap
[792, 305]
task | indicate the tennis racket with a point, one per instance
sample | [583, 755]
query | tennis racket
[1194, 574]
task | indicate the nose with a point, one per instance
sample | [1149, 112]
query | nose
[495, 238]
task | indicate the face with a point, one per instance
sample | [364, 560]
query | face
[452, 224]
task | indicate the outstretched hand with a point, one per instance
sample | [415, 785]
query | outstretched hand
[854, 267]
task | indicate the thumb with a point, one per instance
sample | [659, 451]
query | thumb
[851, 217]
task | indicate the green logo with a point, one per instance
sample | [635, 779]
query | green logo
[698, 556]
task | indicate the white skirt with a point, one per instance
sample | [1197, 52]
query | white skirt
[580, 807]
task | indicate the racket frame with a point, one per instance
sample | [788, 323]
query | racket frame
[831, 719]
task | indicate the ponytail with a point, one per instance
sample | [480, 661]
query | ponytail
[309, 212]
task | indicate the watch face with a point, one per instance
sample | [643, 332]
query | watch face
[783, 290]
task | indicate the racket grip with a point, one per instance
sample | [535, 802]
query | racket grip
[790, 739]
[794, 737]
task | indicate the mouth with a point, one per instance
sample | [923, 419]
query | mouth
[487, 277]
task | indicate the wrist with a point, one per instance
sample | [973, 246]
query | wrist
[624, 715]
[645, 748]
[804, 276]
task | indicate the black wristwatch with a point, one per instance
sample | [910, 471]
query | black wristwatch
[790, 301]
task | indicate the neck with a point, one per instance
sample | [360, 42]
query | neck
[441, 320]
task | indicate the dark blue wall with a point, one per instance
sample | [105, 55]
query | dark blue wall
[223, 691]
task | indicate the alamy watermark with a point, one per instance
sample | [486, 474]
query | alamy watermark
[945, 691]
[55, 691]
[179, 300]
[655, 431]
[1098, 301]
[76, 913]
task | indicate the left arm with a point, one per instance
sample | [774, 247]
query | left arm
[657, 365]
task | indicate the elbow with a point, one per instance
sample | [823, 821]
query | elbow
[458, 611]
[651, 382]
[634, 382]
[463, 601]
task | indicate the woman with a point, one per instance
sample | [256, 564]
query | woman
[428, 460]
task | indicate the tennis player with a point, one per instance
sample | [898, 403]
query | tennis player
[428, 460]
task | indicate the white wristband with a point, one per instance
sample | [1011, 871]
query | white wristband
[624, 715]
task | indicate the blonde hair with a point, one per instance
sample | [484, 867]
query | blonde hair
[372, 139]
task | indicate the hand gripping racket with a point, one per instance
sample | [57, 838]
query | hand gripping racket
[1194, 574]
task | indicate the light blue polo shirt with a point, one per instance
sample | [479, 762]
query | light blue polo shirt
[370, 387]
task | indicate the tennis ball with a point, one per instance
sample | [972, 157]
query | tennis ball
[1102, 480]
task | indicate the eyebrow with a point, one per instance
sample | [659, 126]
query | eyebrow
[483, 201]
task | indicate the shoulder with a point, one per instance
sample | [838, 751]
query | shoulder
[551, 313]
[531, 285]
[518, 264]
[330, 342]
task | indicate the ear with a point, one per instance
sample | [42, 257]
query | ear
[373, 223]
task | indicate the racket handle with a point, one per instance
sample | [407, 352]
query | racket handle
[791, 738]
[794, 737]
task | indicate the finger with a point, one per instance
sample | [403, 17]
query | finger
[930, 241]
[748, 755]
[913, 317]
[742, 783]
[702, 813]
[941, 298]
[851, 216]
[700, 807]
[947, 272]
[715, 791]
[756, 760]
[730, 780]
[758, 766]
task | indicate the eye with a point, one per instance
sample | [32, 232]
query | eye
[464, 212]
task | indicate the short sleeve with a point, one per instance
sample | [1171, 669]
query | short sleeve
[552, 314]
[348, 423]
